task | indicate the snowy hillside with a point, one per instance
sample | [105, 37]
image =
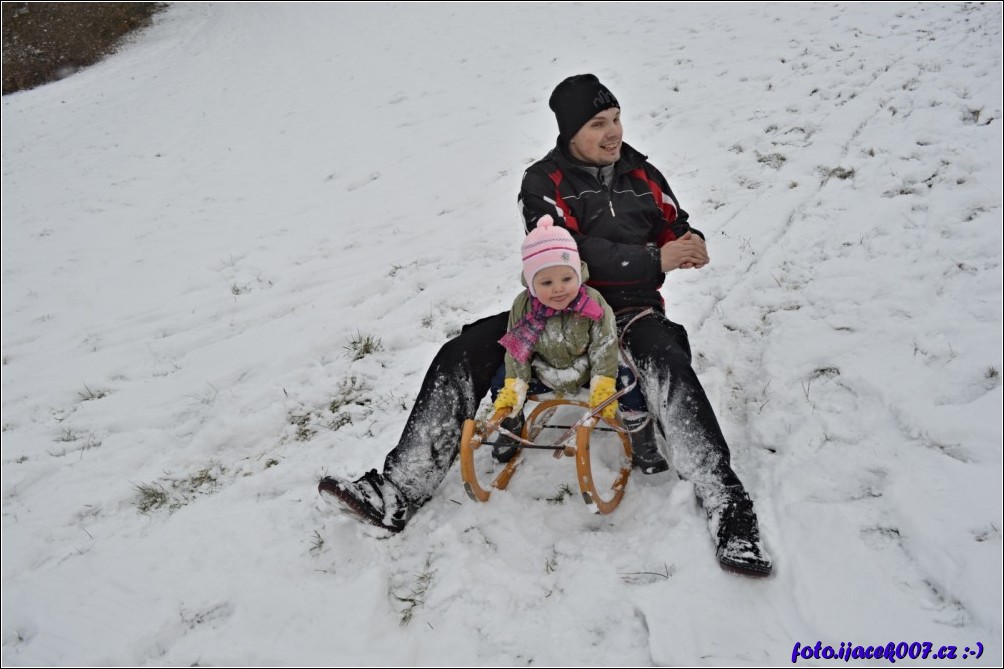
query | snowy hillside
[201, 234]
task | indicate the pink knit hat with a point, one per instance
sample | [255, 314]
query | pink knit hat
[548, 245]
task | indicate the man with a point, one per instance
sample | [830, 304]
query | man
[631, 231]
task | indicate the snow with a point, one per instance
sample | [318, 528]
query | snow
[198, 232]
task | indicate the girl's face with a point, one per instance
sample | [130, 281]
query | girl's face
[556, 286]
[598, 142]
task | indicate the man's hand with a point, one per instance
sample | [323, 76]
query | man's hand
[687, 252]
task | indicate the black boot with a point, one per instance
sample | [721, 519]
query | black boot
[739, 546]
[505, 447]
[647, 456]
[371, 498]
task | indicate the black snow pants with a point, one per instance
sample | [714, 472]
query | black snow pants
[461, 375]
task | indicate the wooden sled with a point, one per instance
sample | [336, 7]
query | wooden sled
[474, 436]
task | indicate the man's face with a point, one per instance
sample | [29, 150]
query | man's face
[598, 142]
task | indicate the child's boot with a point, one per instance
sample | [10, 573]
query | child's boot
[647, 456]
[505, 447]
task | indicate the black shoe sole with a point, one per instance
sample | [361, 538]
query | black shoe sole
[329, 489]
[746, 569]
[653, 468]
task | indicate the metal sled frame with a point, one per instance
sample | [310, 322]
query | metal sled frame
[474, 437]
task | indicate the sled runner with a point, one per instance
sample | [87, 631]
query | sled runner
[573, 442]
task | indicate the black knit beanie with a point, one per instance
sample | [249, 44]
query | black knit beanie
[576, 100]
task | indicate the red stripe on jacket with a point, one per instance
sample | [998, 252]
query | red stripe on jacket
[570, 222]
[664, 204]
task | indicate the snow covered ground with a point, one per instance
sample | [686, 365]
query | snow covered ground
[200, 232]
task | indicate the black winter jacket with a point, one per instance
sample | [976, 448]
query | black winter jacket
[619, 226]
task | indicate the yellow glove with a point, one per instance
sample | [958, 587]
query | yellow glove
[600, 388]
[512, 395]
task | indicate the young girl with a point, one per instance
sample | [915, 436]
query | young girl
[561, 336]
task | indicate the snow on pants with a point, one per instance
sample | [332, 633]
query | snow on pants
[660, 350]
[461, 375]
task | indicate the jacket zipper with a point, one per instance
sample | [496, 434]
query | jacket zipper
[608, 191]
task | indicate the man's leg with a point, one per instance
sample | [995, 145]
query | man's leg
[459, 376]
[456, 381]
[660, 350]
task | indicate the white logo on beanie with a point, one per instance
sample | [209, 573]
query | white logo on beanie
[603, 98]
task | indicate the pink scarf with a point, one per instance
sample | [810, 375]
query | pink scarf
[519, 341]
